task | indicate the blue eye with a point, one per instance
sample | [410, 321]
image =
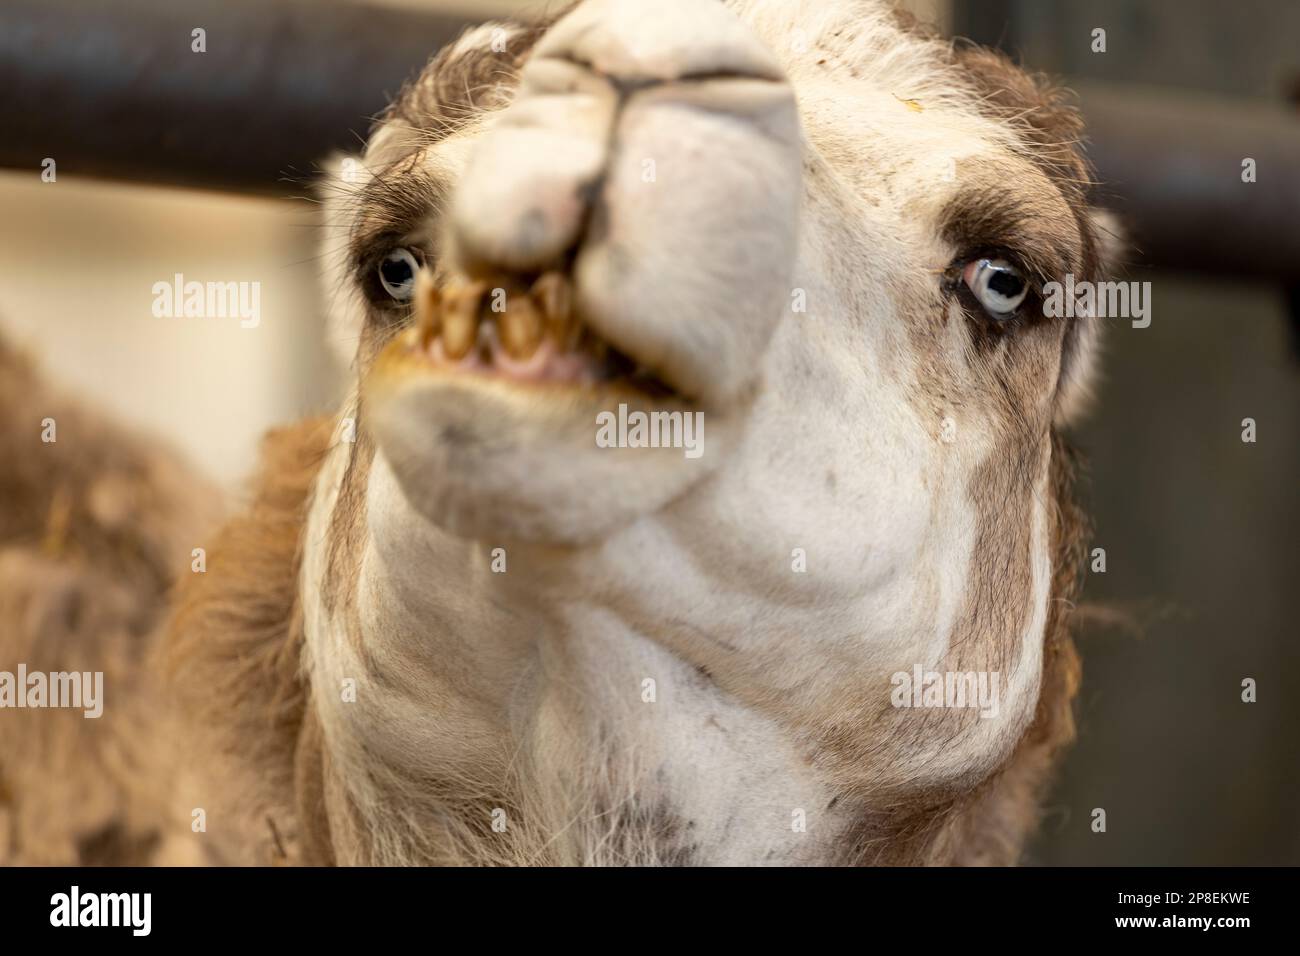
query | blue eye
[397, 274]
[998, 285]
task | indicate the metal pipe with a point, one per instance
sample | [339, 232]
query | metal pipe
[1171, 165]
[116, 89]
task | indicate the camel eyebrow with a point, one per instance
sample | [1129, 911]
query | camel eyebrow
[453, 86]
[1039, 231]
[392, 206]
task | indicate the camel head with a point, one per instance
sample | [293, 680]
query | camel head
[803, 244]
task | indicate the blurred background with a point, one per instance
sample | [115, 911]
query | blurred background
[1200, 529]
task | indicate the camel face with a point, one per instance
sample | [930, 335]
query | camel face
[657, 177]
[817, 233]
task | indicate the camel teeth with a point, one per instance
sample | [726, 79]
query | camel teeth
[520, 327]
[428, 307]
[554, 294]
[460, 319]
[455, 315]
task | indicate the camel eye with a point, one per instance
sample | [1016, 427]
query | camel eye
[998, 286]
[397, 274]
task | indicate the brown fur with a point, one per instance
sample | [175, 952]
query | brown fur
[455, 86]
[96, 528]
[234, 651]
[1051, 123]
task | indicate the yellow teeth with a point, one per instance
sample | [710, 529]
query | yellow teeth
[428, 307]
[555, 296]
[520, 327]
[454, 312]
[460, 318]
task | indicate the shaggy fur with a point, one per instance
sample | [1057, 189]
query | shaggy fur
[95, 529]
[234, 653]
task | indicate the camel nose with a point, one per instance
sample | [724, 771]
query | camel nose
[525, 198]
[653, 148]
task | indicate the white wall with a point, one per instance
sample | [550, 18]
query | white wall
[79, 263]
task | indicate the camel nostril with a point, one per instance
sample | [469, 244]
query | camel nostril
[627, 82]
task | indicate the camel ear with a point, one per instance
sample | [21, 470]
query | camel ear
[1080, 354]
[1109, 242]
[343, 179]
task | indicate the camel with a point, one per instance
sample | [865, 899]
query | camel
[454, 628]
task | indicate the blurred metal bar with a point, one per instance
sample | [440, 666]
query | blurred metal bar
[1171, 166]
[114, 90]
